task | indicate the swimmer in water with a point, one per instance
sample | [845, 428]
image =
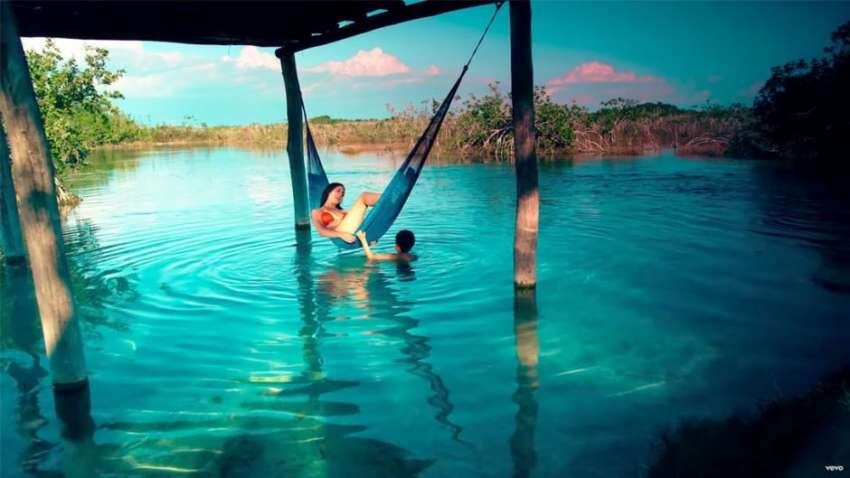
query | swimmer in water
[404, 242]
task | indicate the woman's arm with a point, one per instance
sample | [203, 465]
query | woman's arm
[368, 250]
[316, 215]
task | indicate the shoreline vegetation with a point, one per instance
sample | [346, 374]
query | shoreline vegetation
[480, 129]
[799, 114]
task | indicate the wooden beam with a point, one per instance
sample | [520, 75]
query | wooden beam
[11, 240]
[522, 98]
[295, 138]
[219, 22]
[391, 17]
[39, 214]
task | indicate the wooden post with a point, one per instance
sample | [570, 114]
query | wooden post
[522, 98]
[295, 137]
[528, 354]
[39, 214]
[11, 240]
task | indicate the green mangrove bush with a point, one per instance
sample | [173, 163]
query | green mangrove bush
[76, 104]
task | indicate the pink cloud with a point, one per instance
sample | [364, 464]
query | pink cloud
[594, 94]
[365, 63]
[433, 70]
[585, 99]
[654, 92]
[594, 81]
[598, 72]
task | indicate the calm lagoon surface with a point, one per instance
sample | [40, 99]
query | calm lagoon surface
[669, 289]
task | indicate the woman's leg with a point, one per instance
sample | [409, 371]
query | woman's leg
[354, 217]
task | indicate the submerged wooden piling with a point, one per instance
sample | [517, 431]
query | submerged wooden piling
[522, 98]
[527, 342]
[38, 212]
[295, 137]
[11, 240]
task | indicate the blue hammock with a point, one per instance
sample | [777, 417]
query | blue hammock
[381, 216]
[386, 210]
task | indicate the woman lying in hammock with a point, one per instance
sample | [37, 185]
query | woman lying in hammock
[330, 220]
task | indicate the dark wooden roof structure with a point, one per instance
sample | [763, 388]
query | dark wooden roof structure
[294, 25]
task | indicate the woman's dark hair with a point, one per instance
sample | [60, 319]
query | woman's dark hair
[327, 193]
[405, 240]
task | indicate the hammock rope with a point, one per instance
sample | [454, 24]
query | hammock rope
[395, 194]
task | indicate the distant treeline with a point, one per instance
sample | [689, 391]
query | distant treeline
[481, 128]
[800, 113]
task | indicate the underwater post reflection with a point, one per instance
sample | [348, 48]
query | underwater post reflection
[21, 332]
[527, 352]
[315, 446]
[311, 313]
[374, 291]
[79, 454]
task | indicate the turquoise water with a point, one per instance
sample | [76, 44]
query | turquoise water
[669, 288]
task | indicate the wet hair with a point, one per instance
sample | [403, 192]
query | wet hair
[327, 192]
[405, 240]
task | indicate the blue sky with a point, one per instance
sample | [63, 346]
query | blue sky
[683, 53]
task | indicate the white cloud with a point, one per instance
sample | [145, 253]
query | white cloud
[76, 48]
[251, 57]
[163, 84]
[365, 63]
[372, 69]
[124, 54]
[148, 86]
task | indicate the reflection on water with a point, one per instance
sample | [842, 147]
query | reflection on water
[222, 343]
[528, 354]
[351, 278]
[93, 286]
[797, 205]
[79, 452]
[21, 334]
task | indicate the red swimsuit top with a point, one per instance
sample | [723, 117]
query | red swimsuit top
[326, 218]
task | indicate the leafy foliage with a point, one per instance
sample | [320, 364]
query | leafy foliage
[802, 109]
[486, 122]
[76, 104]
[483, 119]
[554, 122]
[621, 125]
